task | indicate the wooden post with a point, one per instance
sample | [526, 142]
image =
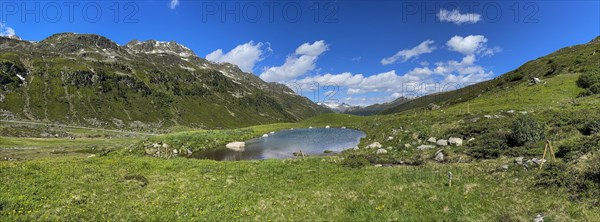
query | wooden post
[551, 150]
[543, 156]
[449, 179]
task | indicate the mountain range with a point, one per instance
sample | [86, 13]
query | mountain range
[89, 80]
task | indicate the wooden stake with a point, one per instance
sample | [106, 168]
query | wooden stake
[551, 150]
[543, 156]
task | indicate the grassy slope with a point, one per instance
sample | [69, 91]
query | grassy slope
[131, 188]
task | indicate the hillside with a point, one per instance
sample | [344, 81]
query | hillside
[584, 58]
[376, 108]
[89, 80]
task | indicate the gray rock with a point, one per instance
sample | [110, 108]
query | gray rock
[538, 218]
[175, 152]
[406, 145]
[190, 152]
[381, 151]
[265, 135]
[519, 160]
[442, 142]
[432, 106]
[376, 145]
[378, 165]
[237, 146]
[488, 116]
[455, 141]
[504, 167]
[425, 147]
[439, 156]
[390, 138]
[432, 140]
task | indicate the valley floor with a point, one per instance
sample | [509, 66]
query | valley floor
[122, 187]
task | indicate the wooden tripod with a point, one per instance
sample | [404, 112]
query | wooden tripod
[548, 145]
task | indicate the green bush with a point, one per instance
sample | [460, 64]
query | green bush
[525, 130]
[588, 79]
[487, 148]
[355, 161]
[554, 174]
[574, 149]
[592, 127]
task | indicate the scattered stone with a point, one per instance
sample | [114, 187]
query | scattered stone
[265, 135]
[190, 152]
[378, 165]
[310, 127]
[504, 167]
[523, 112]
[439, 156]
[272, 133]
[425, 147]
[535, 80]
[237, 146]
[538, 218]
[406, 145]
[470, 140]
[455, 141]
[442, 142]
[510, 111]
[356, 148]
[390, 138]
[343, 127]
[327, 127]
[166, 146]
[488, 116]
[432, 106]
[381, 151]
[432, 140]
[374, 145]
[175, 151]
[519, 160]
[475, 119]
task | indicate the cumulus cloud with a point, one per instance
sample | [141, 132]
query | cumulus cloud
[301, 62]
[466, 45]
[174, 4]
[406, 54]
[245, 56]
[6, 31]
[458, 18]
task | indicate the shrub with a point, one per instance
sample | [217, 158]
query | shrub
[355, 161]
[592, 127]
[595, 89]
[488, 148]
[525, 130]
[573, 149]
[588, 79]
[554, 174]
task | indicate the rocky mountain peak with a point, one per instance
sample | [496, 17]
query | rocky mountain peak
[73, 42]
[156, 47]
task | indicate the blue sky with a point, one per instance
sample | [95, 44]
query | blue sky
[358, 52]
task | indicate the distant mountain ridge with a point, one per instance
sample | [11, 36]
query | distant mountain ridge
[88, 79]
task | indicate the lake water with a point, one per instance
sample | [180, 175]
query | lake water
[283, 144]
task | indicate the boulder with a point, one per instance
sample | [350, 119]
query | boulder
[374, 145]
[538, 218]
[455, 141]
[237, 146]
[190, 152]
[272, 133]
[425, 147]
[504, 167]
[327, 127]
[519, 160]
[175, 152]
[432, 140]
[265, 135]
[381, 151]
[442, 142]
[432, 106]
[439, 156]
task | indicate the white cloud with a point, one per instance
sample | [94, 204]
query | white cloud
[297, 64]
[357, 58]
[456, 17]
[245, 56]
[406, 54]
[174, 4]
[6, 31]
[467, 45]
